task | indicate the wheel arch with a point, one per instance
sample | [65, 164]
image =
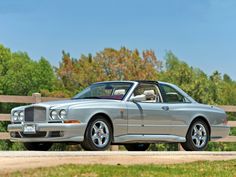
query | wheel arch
[106, 117]
[203, 118]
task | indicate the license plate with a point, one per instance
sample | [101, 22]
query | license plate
[29, 129]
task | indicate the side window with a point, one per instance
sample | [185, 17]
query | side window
[149, 93]
[172, 95]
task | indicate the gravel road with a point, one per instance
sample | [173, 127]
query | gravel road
[18, 160]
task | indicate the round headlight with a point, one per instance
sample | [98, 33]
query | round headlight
[62, 114]
[53, 114]
[15, 116]
[21, 116]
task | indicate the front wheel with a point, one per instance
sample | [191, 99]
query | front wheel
[37, 146]
[98, 135]
[197, 137]
[137, 147]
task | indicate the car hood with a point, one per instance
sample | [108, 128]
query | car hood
[72, 102]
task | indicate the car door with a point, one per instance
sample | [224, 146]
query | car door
[179, 109]
[148, 116]
[156, 119]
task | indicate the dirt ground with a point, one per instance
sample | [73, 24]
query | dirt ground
[14, 161]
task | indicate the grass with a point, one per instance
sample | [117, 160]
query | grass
[202, 168]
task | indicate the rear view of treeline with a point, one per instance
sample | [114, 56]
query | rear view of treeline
[21, 75]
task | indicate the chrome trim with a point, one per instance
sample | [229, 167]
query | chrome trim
[47, 127]
[75, 138]
[149, 138]
[128, 95]
[36, 113]
[72, 132]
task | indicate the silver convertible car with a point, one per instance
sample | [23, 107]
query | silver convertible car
[131, 113]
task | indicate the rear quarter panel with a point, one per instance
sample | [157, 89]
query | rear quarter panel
[184, 114]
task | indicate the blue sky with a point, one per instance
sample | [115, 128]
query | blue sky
[200, 32]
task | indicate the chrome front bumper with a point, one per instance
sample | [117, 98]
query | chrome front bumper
[67, 132]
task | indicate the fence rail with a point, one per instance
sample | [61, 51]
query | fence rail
[36, 98]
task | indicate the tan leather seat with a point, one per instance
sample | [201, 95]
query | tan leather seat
[150, 95]
[119, 92]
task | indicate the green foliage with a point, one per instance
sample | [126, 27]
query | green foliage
[232, 131]
[213, 146]
[65, 147]
[25, 76]
[5, 56]
[7, 145]
[163, 147]
[4, 145]
[3, 126]
[214, 89]
[231, 116]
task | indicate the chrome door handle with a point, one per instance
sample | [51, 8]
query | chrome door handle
[165, 108]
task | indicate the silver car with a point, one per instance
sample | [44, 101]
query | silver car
[131, 113]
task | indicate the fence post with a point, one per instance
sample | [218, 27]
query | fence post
[180, 148]
[115, 148]
[37, 97]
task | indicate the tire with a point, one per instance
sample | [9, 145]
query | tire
[36, 146]
[197, 137]
[98, 135]
[137, 147]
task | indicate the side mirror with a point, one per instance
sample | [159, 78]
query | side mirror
[138, 98]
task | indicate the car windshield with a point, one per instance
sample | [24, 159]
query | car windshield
[108, 90]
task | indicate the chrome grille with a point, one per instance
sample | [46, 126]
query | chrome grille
[35, 114]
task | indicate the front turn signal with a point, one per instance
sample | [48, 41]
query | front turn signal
[71, 121]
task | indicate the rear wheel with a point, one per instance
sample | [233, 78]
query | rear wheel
[137, 147]
[37, 146]
[197, 137]
[98, 135]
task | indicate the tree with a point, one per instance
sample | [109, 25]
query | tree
[5, 57]
[109, 64]
[24, 76]
[227, 78]
[192, 80]
[67, 72]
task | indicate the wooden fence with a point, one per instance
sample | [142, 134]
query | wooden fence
[36, 98]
